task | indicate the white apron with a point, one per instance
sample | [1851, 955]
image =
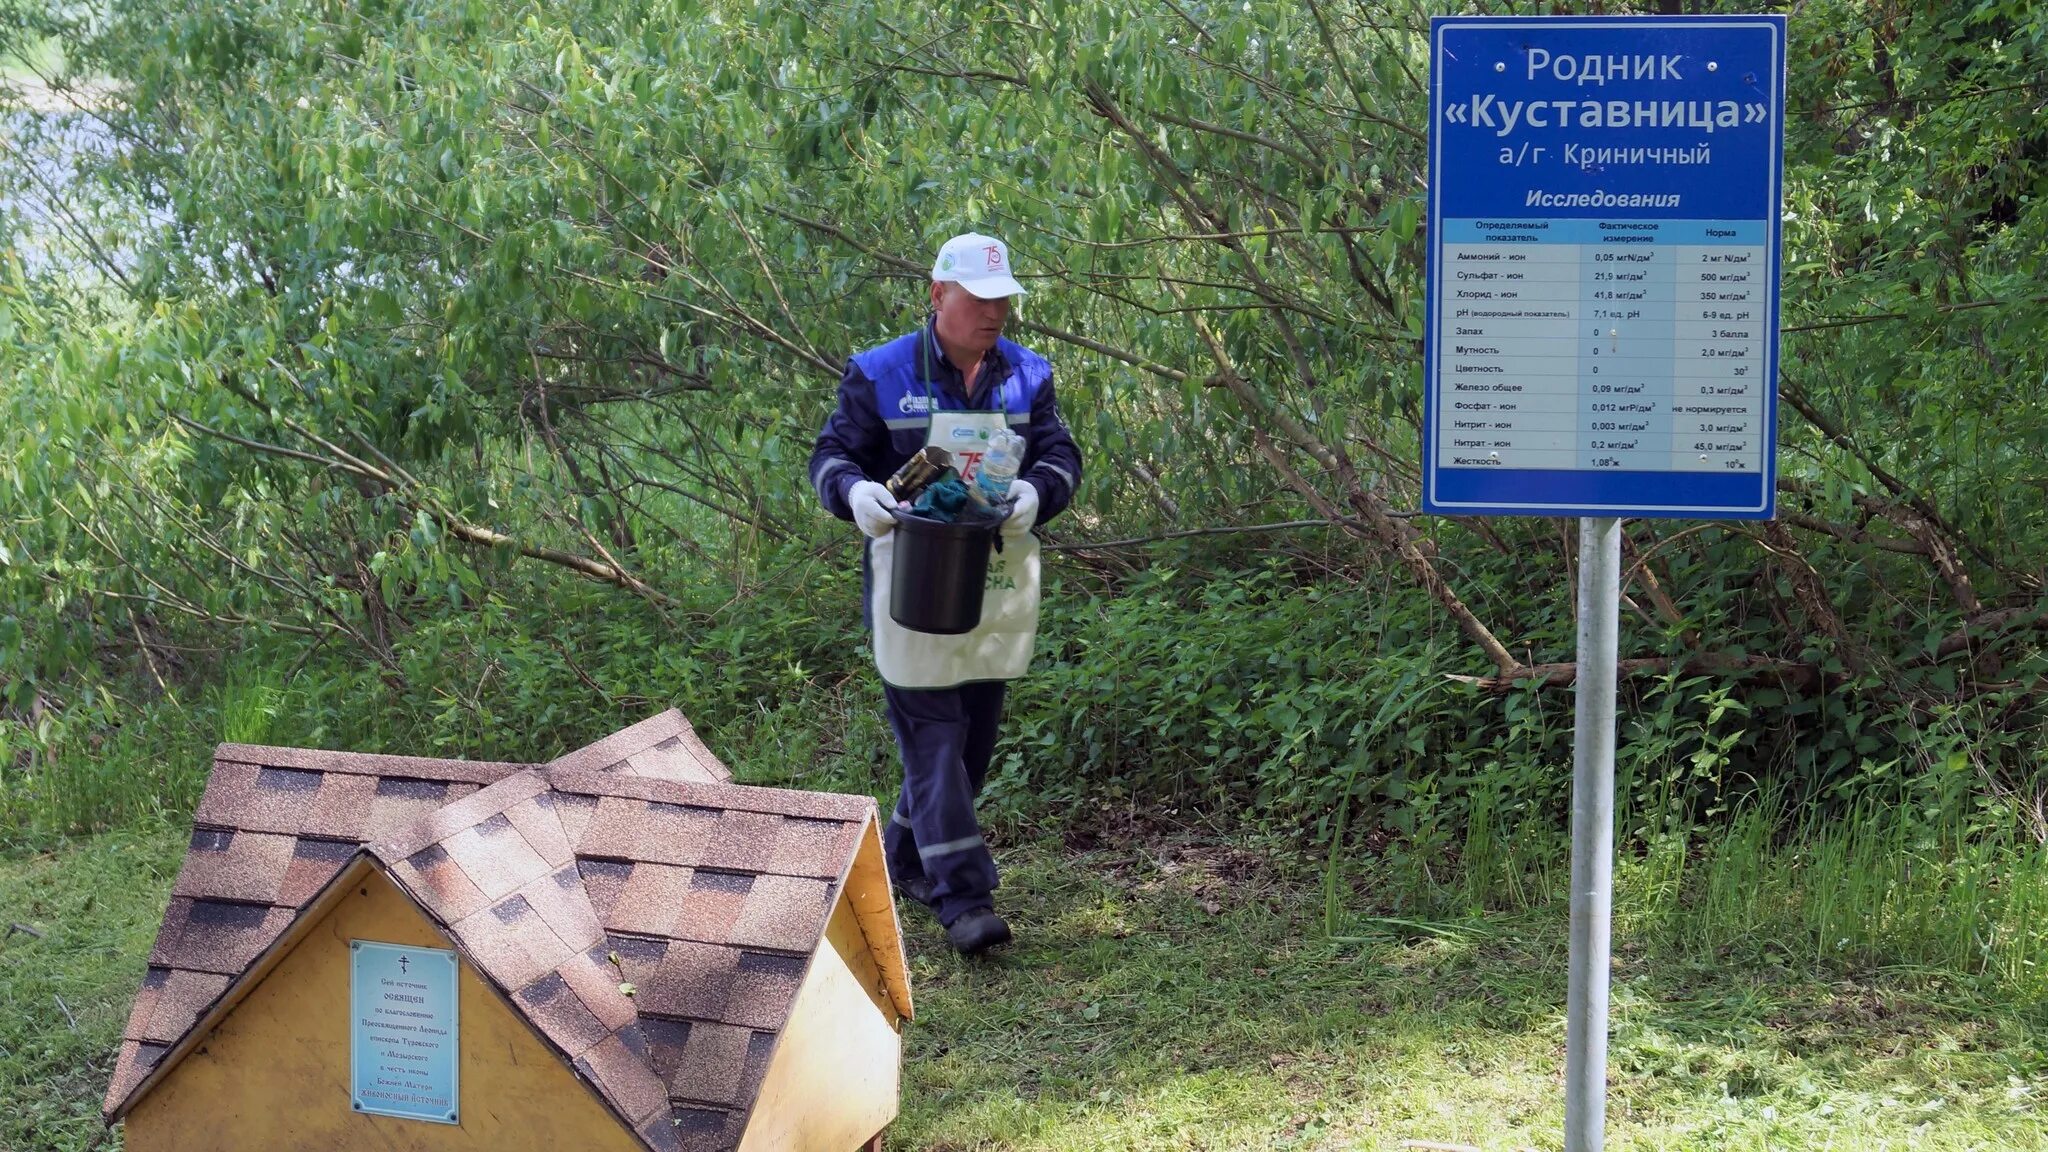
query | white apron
[999, 648]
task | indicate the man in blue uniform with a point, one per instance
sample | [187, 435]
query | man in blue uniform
[950, 383]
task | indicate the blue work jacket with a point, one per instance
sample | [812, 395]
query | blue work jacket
[885, 402]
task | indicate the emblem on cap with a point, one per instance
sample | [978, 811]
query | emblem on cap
[988, 277]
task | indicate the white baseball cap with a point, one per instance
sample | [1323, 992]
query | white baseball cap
[978, 263]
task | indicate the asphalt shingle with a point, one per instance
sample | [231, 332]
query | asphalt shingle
[229, 865]
[661, 747]
[314, 862]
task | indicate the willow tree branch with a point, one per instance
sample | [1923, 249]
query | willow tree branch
[410, 497]
[1853, 535]
[1808, 588]
[899, 264]
[1267, 142]
[1182, 188]
[1420, 568]
[1840, 438]
[1938, 310]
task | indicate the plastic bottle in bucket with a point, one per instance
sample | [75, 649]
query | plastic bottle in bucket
[999, 465]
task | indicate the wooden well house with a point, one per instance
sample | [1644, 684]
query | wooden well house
[618, 950]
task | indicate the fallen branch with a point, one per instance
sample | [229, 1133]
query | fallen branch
[1853, 535]
[1808, 589]
[1225, 530]
[1984, 629]
[1562, 675]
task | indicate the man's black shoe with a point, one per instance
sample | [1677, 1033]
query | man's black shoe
[977, 931]
[918, 888]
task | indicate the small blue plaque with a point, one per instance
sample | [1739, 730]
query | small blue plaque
[404, 1044]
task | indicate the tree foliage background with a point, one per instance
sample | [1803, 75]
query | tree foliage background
[440, 375]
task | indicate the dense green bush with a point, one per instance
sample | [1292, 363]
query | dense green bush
[456, 396]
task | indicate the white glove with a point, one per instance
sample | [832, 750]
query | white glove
[871, 505]
[1023, 508]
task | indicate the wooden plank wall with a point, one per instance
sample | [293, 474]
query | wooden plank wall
[834, 1080]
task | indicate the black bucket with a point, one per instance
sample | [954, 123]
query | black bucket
[939, 573]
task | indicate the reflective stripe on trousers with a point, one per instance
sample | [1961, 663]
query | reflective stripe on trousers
[945, 737]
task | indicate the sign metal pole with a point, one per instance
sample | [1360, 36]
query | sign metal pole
[1592, 902]
[1600, 339]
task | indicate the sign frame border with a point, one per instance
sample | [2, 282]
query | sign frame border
[1776, 25]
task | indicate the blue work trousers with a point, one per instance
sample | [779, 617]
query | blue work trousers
[946, 736]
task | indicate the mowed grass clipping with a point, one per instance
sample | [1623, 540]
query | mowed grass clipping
[1179, 994]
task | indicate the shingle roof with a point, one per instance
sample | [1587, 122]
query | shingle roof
[662, 747]
[274, 825]
[628, 862]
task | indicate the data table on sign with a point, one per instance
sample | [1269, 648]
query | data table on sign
[1624, 345]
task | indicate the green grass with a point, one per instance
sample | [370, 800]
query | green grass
[1180, 994]
[1132, 1017]
[146, 772]
[64, 995]
[1872, 887]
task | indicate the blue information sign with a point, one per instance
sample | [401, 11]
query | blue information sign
[1602, 325]
[404, 1043]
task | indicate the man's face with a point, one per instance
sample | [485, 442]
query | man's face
[966, 321]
